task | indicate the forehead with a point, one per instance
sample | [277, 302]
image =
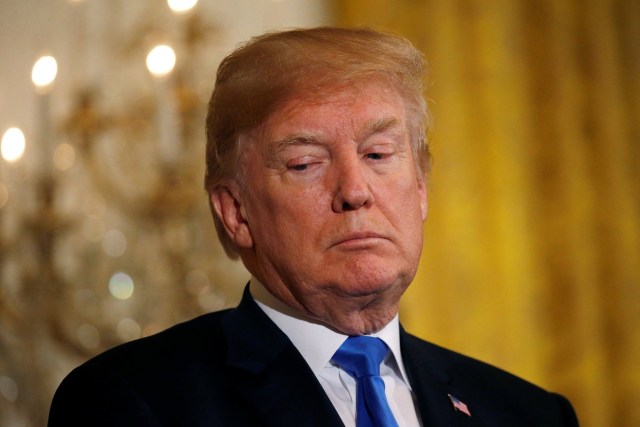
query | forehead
[339, 110]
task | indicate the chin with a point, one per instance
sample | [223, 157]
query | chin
[365, 321]
[363, 287]
[375, 279]
[362, 309]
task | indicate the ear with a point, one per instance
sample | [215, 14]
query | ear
[229, 209]
[422, 193]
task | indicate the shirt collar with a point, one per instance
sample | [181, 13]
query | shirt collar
[316, 342]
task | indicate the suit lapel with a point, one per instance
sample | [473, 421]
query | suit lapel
[279, 387]
[269, 372]
[431, 383]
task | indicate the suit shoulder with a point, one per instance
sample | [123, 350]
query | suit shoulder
[135, 381]
[489, 387]
[459, 365]
[194, 339]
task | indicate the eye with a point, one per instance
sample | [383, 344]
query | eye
[300, 167]
[305, 160]
[302, 164]
[375, 156]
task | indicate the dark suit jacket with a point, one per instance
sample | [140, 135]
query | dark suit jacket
[236, 368]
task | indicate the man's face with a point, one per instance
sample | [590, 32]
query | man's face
[334, 206]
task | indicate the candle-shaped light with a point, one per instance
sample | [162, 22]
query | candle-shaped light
[12, 146]
[161, 61]
[43, 75]
[181, 6]
[11, 149]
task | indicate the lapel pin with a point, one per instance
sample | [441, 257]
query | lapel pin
[459, 406]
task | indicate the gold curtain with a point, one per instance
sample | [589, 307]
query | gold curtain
[532, 254]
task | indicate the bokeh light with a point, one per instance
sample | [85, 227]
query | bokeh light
[161, 60]
[128, 329]
[210, 301]
[121, 286]
[181, 6]
[114, 243]
[44, 71]
[64, 156]
[8, 388]
[13, 144]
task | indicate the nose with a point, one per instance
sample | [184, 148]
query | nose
[353, 191]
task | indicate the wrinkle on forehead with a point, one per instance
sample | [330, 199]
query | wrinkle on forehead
[342, 96]
[351, 128]
[389, 125]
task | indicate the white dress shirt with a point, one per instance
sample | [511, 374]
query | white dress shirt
[317, 345]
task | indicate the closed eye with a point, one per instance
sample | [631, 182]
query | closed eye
[303, 164]
[376, 156]
[301, 167]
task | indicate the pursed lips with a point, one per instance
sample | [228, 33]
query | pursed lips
[359, 237]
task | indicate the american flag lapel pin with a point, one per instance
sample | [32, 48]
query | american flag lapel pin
[459, 406]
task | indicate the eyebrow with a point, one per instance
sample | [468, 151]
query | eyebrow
[280, 145]
[381, 125]
[372, 127]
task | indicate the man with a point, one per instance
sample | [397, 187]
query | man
[316, 165]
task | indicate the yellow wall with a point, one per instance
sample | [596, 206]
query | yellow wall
[532, 255]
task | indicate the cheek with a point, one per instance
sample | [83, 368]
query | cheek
[406, 209]
[293, 217]
[304, 203]
[405, 193]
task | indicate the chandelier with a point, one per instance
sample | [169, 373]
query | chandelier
[107, 237]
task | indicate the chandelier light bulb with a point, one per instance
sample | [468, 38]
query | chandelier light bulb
[44, 71]
[121, 286]
[12, 146]
[161, 60]
[181, 6]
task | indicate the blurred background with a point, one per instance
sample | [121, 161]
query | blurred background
[532, 250]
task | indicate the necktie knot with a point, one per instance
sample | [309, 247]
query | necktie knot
[360, 357]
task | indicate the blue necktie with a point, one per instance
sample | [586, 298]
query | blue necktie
[360, 357]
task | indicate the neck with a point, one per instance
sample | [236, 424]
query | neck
[349, 318]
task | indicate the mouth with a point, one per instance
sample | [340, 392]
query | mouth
[359, 239]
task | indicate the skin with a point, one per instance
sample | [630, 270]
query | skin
[330, 217]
